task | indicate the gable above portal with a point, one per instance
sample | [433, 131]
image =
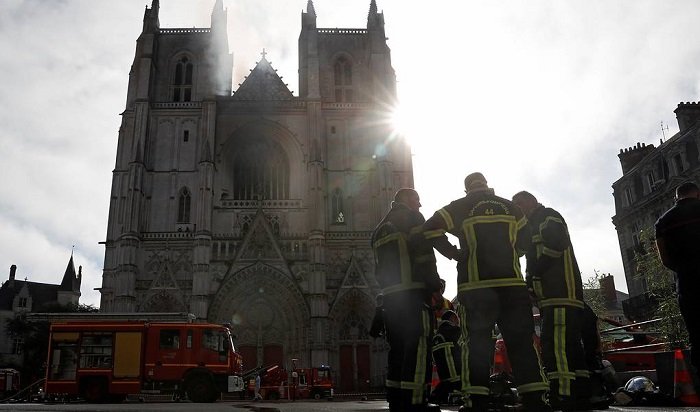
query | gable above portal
[263, 83]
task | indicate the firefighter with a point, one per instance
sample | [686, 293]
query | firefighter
[408, 275]
[447, 356]
[491, 290]
[677, 238]
[440, 303]
[553, 278]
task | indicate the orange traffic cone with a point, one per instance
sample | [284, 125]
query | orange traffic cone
[683, 389]
[435, 380]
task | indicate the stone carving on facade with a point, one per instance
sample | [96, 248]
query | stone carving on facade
[353, 308]
[353, 328]
[163, 301]
[218, 270]
[260, 243]
[354, 277]
[165, 266]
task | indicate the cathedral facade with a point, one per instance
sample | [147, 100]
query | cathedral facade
[255, 207]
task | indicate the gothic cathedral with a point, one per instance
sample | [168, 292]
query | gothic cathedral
[255, 206]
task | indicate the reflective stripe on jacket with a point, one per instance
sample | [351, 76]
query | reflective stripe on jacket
[490, 231]
[399, 265]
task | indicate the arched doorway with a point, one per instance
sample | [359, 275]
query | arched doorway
[352, 317]
[268, 314]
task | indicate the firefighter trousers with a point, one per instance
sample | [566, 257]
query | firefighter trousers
[562, 353]
[510, 308]
[408, 330]
[689, 306]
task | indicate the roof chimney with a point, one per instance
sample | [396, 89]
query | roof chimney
[631, 156]
[13, 270]
[687, 115]
[607, 288]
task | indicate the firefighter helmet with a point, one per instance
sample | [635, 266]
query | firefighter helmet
[449, 314]
[640, 384]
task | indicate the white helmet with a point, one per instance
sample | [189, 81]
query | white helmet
[640, 384]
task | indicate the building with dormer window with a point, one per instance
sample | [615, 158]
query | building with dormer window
[255, 206]
[647, 187]
[18, 296]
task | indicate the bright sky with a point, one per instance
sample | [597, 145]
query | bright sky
[537, 95]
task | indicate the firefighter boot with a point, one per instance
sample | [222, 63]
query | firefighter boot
[599, 399]
[536, 402]
[475, 403]
[563, 403]
[393, 396]
[583, 392]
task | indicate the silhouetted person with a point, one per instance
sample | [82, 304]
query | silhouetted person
[491, 290]
[447, 356]
[554, 279]
[678, 242]
[408, 276]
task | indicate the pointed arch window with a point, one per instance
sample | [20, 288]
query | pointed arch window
[274, 224]
[183, 208]
[338, 212]
[182, 80]
[342, 74]
[246, 221]
[260, 171]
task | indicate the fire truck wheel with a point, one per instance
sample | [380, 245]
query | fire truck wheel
[316, 395]
[201, 389]
[94, 390]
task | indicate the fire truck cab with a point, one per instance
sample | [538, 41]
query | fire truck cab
[315, 383]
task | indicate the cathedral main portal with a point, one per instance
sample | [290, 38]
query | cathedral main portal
[267, 312]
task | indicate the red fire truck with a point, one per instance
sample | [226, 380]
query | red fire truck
[104, 360]
[303, 383]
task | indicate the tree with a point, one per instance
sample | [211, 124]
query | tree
[592, 294]
[661, 286]
[35, 335]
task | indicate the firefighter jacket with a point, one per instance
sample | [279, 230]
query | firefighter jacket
[446, 352]
[491, 238]
[552, 272]
[679, 230]
[400, 266]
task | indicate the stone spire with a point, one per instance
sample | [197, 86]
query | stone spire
[308, 17]
[71, 281]
[374, 18]
[151, 23]
[218, 14]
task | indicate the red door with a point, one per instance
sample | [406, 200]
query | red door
[346, 369]
[273, 355]
[250, 356]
